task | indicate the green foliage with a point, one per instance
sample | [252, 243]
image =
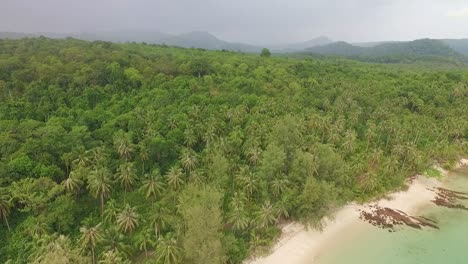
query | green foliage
[126, 152]
[433, 173]
[265, 53]
[201, 212]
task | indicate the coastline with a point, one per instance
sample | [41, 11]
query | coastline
[297, 245]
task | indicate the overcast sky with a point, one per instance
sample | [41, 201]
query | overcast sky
[252, 21]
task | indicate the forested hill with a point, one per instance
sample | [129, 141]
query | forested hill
[393, 52]
[118, 153]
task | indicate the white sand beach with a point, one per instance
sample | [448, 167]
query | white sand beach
[297, 245]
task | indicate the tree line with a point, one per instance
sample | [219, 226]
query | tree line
[134, 153]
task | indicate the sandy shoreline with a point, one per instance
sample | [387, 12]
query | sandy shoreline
[298, 245]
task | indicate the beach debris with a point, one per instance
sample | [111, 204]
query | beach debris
[387, 218]
[449, 198]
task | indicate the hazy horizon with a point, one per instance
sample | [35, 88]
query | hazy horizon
[258, 22]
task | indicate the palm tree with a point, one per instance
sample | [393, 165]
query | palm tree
[72, 184]
[126, 175]
[197, 178]
[281, 208]
[99, 184]
[143, 154]
[266, 215]
[153, 185]
[167, 251]
[37, 229]
[279, 185]
[175, 178]
[349, 140]
[5, 205]
[254, 155]
[111, 211]
[145, 240]
[190, 137]
[368, 181]
[159, 218]
[189, 159]
[123, 144]
[111, 257]
[114, 240]
[82, 158]
[238, 218]
[127, 219]
[98, 155]
[248, 181]
[90, 237]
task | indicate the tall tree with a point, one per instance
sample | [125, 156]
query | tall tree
[90, 237]
[5, 205]
[72, 184]
[175, 178]
[153, 185]
[99, 184]
[127, 219]
[200, 208]
[167, 251]
[123, 144]
[126, 175]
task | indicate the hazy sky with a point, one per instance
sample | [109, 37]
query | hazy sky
[252, 21]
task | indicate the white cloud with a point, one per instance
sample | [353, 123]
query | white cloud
[461, 13]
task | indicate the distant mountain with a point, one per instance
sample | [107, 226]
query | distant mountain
[113, 36]
[389, 50]
[320, 41]
[459, 45]
[322, 45]
[205, 40]
[195, 39]
[123, 36]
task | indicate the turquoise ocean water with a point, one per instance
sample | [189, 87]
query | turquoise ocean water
[365, 244]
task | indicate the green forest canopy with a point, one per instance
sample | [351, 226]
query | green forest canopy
[113, 153]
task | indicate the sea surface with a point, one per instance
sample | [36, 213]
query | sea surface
[366, 244]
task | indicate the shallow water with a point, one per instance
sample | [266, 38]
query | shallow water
[366, 244]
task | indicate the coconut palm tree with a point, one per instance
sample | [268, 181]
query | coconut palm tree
[248, 181]
[90, 237]
[82, 158]
[143, 154]
[238, 218]
[5, 206]
[190, 137]
[123, 144]
[112, 257]
[266, 215]
[279, 186]
[175, 178]
[127, 219]
[281, 208]
[153, 185]
[114, 240]
[72, 184]
[167, 251]
[159, 218]
[197, 178]
[126, 175]
[37, 229]
[145, 241]
[111, 211]
[99, 184]
[98, 155]
[349, 140]
[368, 181]
[254, 155]
[189, 159]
